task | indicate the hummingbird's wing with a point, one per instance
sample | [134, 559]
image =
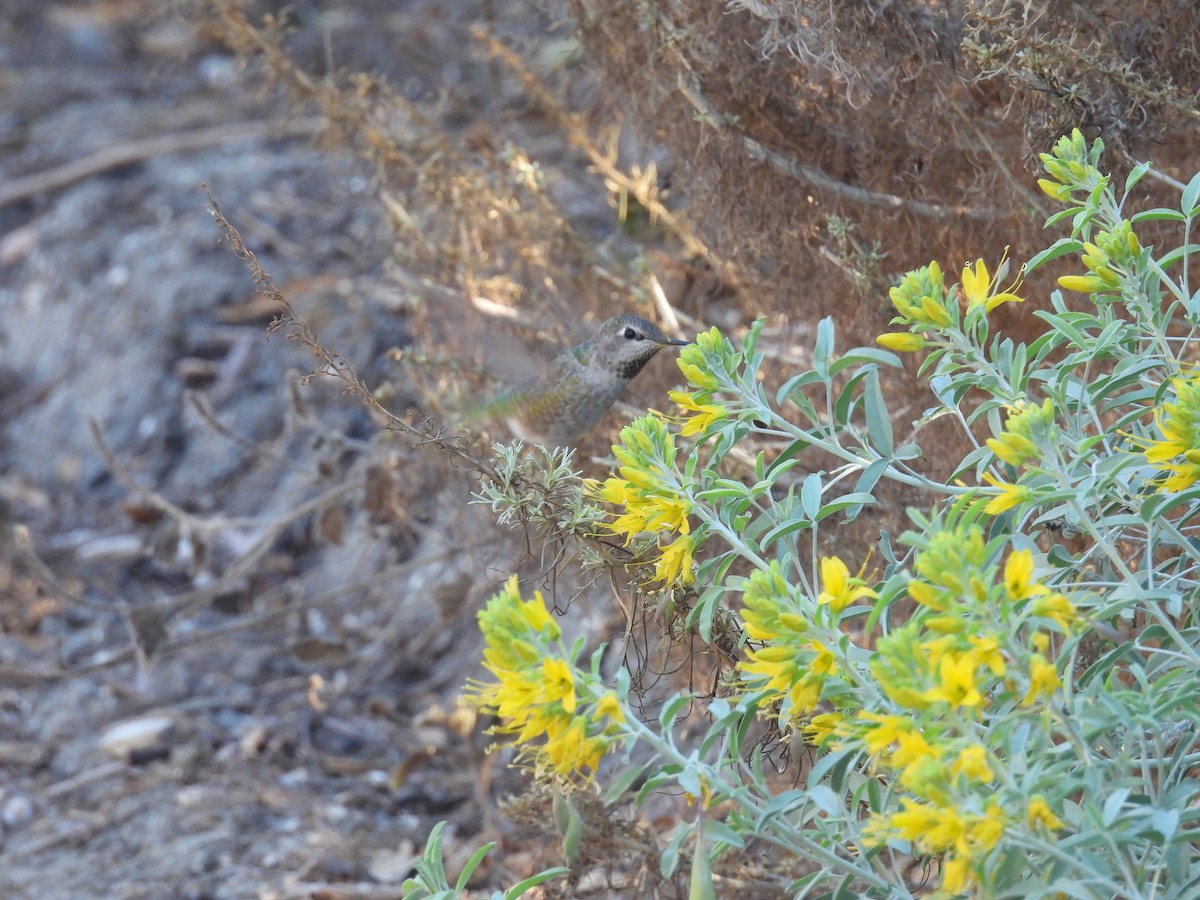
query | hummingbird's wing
[533, 408]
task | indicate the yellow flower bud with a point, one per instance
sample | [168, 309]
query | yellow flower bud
[1085, 284]
[1054, 190]
[901, 342]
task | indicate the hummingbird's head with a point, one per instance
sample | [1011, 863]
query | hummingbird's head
[626, 343]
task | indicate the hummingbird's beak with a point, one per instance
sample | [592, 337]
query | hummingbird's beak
[675, 342]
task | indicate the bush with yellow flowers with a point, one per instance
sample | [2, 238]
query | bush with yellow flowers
[1004, 711]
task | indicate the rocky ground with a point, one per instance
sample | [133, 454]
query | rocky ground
[235, 616]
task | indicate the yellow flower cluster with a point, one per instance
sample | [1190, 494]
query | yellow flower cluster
[693, 363]
[793, 663]
[920, 298]
[922, 302]
[1071, 166]
[1028, 428]
[651, 505]
[538, 693]
[1179, 450]
[943, 669]
[1109, 257]
[964, 838]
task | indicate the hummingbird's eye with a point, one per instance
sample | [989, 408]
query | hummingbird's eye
[631, 333]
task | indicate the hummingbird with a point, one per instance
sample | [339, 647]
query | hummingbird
[577, 387]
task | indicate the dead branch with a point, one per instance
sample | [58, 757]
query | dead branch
[115, 157]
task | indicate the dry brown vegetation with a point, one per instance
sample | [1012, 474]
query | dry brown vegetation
[269, 544]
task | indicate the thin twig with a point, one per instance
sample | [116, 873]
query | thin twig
[575, 131]
[115, 157]
[200, 404]
[818, 179]
[45, 575]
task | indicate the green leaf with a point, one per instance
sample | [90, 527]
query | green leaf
[1135, 175]
[717, 831]
[832, 768]
[827, 800]
[703, 613]
[619, 785]
[1191, 196]
[534, 880]
[810, 495]
[854, 502]
[879, 423]
[570, 826]
[671, 709]
[1166, 823]
[701, 885]
[797, 521]
[1112, 806]
[871, 474]
[823, 349]
[1156, 215]
[1061, 247]
[1169, 259]
[861, 355]
[472, 865]
[781, 804]
[790, 451]
[669, 861]
[845, 398]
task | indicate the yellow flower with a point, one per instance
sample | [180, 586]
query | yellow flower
[928, 595]
[987, 831]
[840, 590]
[821, 728]
[675, 564]
[705, 413]
[1039, 815]
[911, 749]
[1013, 449]
[902, 342]
[610, 706]
[1055, 607]
[972, 762]
[692, 362]
[559, 684]
[980, 288]
[615, 490]
[920, 297]
[654, 512]
[927, 778]
[805, 695]
[1179, 450]
[937, 828]
[886, 732]
[934, 829]
[569, 750]
[1054, 190]
[823, 663]
[778, 667]
[935, 312]
[769, 613]
[1018, 576]
[1010, 495]
[957, 686]
[1027, 424]
[986, 652]
[1084, 284]
[1043, 680]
